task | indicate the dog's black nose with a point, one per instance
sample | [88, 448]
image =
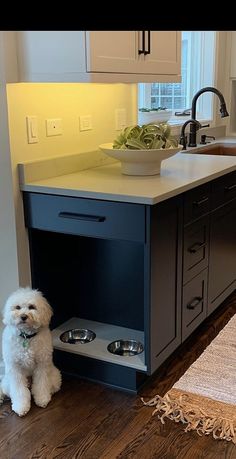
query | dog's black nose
[24, 317]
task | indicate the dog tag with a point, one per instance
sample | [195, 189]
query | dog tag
[25, 343]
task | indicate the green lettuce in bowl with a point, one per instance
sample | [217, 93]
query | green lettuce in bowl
[145, 137]
[141, 149]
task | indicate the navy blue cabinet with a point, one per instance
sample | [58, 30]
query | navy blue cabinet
[151, 273]
[118, 264]
[222, 266]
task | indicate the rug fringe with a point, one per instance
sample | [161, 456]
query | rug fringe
[181, 409]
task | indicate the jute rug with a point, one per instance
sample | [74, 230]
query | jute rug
[204, 398]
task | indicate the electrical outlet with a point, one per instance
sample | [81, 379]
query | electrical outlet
[85, 123]
[32, 129]
[54, 126]
[121, 118]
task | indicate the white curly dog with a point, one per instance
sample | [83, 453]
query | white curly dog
[27, 351]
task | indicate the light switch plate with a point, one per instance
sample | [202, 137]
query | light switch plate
[54, 126]
[32, 129]
[121, 118]
[85, 123]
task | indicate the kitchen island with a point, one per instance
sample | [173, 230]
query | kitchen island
[134, 258]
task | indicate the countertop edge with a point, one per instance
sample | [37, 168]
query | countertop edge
[124, 198]
[103, 180]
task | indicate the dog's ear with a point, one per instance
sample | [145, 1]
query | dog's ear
[6, 317]
[47, 311]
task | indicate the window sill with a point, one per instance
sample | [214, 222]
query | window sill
[179, 120]
[176, 122]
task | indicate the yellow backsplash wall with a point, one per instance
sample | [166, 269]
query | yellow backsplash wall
[68, 102]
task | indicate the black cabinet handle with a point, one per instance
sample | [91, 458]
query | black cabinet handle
[195, 302]
[148, 51]
[84, 217]
[230, 187]
[142, 51]
[200, 202]
[196, 246]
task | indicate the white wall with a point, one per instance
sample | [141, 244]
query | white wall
[8, 250]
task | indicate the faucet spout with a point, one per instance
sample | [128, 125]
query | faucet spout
[223, 111]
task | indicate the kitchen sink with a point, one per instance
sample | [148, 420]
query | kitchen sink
[224, 149]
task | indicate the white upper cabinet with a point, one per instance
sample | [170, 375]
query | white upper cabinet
[163, 53]
[112, 52]
[109, 56]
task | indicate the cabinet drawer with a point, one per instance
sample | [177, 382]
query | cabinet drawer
[196, 248]
[223, 190]
[194, 303]
[86, 217]
[196, 203]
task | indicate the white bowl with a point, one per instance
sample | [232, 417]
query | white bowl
[154, 117]
[140, 162]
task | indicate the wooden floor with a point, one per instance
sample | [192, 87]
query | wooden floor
[86, 420]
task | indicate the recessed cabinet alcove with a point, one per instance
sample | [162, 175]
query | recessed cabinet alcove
[110, 263]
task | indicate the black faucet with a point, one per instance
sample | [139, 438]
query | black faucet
[183, 137]
[223, 111]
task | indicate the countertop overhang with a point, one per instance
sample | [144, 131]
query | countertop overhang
[179, 173]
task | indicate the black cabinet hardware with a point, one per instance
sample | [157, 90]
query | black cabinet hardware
[148, 51]
[200, 202]
[142, 51]
[195, 302]
[197, 246]
[85, 217]
[230, 187]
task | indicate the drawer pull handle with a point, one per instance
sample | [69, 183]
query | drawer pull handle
[149, 44]
[200, 202]
[142, 51]
[84, 217]
[197, 246]
[195, 302]
[230, 187]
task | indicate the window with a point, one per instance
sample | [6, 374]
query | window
[197, 70]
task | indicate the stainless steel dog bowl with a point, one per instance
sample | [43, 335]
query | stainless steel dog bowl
[77, 336]
[125, 347]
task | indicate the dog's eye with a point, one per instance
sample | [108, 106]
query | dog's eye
[32, 306]
[17, 307]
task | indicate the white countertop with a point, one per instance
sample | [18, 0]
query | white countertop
[179, 173]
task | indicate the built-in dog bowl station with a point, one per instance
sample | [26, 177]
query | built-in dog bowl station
[125, 347]
[78, 336]
[106, 342]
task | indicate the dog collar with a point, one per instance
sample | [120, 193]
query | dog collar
[25, 337]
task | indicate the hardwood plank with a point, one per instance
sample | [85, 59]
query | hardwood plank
[89, 421]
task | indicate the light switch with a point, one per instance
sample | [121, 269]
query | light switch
[121, 121]
[85, 123]
[32, 129]
[54, 126]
